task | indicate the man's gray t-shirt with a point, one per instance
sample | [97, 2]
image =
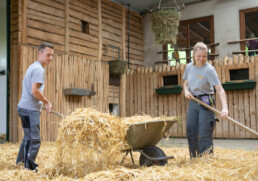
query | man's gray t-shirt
[201, 80]
[34, 74]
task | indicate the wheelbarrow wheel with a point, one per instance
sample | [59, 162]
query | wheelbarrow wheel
[154, 152]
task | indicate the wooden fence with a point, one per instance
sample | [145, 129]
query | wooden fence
[142, 99]
[65, 71]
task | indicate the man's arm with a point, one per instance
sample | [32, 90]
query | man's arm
[37, 94]
[223, 100]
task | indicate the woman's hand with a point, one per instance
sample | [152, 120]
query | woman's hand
[223, 99]
[188, 94]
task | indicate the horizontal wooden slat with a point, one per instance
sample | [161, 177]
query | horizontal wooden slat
[83, 36]
[41, 35]
[45, 27]
[52, 3]
[45, 18]
[82, 16]
[84, 50]
[45, 9]
[37, 42]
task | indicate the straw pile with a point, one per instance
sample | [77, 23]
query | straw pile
[225, 164]
[165, 24]
[89, 141]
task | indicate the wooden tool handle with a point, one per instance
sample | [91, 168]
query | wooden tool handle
[228, 118]
[56, 113]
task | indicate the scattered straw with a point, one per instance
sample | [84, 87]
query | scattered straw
[225, 164]
[89, 145]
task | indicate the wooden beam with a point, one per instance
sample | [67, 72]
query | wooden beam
[24, 22]
[243, 51]
[66, 43]
[242, 40]
[123, 31]
[122, 106]
[100, 29]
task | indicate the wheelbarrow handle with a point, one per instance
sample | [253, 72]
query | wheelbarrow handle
[56, 113]
[228, 118]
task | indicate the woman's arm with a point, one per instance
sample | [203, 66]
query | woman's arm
[188, 94]
[223, 99]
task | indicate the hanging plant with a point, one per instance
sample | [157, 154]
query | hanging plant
[165, 24]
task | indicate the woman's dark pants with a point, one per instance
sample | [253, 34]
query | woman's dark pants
[199, 128]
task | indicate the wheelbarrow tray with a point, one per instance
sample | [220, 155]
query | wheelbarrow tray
[149, 133]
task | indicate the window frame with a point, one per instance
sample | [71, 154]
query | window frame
[187, 23]
[242, 24]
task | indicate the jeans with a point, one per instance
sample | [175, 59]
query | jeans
[199, 127]
[31, 141]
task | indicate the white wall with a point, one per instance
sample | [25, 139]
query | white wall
[3, 60]
[226, 20]
[226, 25]
[150, 49]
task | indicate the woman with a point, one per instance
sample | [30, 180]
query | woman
[200, 78]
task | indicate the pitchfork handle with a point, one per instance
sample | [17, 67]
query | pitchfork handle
[56, 113]
[228, 118]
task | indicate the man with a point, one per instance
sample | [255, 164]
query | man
[30, 105]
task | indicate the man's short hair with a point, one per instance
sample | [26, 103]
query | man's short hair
[43, 45]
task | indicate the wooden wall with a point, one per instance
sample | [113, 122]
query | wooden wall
[142, 99]
[59, 22]
[80, 58]
[63, 72]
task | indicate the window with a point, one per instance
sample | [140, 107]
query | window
[189, 33]
[85, 27]
[249, 30]
[239, 74]
[170, 80]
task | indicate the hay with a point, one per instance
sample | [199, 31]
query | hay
[145, 118]
[225, 164]
[117, 67]
[89, 141]
[165, 26]
[89, 147]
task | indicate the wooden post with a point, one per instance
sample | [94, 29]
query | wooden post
[24, 22]
[66, 27]
[122, 96]
[99, 68]
[123, 31]
[100, 30]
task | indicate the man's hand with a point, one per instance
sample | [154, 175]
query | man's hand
[224, 113]
[48, 107]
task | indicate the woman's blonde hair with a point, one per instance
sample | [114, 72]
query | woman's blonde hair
[199, 46]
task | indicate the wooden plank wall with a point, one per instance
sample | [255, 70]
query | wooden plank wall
[113, 94]
[75, 72]
[135, 39]
[54, 22]
[46, 22]
[14, 22]
[142, 99]
[59, 22]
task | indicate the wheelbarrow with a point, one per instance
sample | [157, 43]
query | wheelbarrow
[142, 137]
